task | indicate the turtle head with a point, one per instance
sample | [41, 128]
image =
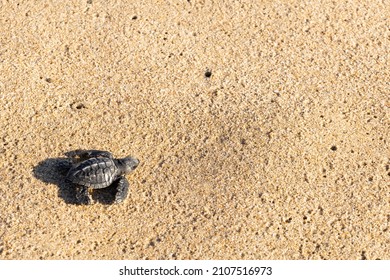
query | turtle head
[129, 164]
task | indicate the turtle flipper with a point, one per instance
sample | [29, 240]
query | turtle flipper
[86, 154]
[82, 195]
[121, 190]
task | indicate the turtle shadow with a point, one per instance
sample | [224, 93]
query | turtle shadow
[54, 171]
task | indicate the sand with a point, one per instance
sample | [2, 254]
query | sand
[280, 151]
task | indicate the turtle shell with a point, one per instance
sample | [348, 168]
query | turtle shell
[96, 173]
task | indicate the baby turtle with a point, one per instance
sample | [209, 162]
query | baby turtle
[94, 169]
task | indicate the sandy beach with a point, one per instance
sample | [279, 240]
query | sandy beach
[262, 128]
